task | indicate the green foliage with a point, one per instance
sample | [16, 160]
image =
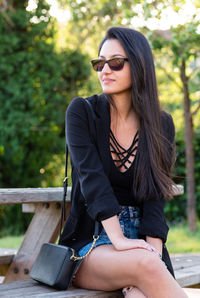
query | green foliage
[13, 242]
[37, 81]
[182, 240]
[178, 43]
[36, 85]
[175, 209]
[13, 221]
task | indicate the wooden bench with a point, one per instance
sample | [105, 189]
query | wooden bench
[44, 226]
[187, 269]
[45, 203]
[30, 288]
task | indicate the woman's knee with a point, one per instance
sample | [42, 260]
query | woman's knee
[149, 265]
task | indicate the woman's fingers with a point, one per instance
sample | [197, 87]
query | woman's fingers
[127, 243]
[144, 244]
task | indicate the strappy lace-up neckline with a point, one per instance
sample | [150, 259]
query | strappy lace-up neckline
[124, 158]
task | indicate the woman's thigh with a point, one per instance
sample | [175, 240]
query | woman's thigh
[108, 269]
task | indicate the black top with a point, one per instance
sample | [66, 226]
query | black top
[92, 195]
[122, 181]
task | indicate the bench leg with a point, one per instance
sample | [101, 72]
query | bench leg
[44, 227]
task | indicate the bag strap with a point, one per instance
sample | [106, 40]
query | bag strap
[65, 186]
[63, 212]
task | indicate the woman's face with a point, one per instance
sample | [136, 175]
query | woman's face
[114, 82]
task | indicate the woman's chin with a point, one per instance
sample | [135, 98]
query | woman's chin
[107, 90]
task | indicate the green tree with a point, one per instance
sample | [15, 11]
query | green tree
[181, 44]
[36, 84]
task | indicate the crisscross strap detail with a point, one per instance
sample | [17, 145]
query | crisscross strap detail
[123, 156]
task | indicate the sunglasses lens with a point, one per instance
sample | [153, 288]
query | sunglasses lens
[98, 65]
[116, 64]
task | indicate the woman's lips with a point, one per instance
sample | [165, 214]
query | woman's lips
[107, 81]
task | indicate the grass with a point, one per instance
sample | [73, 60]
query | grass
[180, 240]
[11, 242]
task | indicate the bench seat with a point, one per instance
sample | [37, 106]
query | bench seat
[187, 269]
[32, 289]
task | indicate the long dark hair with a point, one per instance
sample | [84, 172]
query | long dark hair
[154, 159]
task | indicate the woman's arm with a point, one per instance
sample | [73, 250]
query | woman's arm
[116, 236]
[95, 187]
[156, 243]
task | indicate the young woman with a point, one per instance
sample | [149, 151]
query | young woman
[121, 156]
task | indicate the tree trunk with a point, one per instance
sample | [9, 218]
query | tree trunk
[189, 150]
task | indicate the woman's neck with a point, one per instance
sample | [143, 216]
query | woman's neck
[122, 113]
[123, 107]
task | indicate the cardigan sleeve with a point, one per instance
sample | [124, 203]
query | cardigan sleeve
[153, 222]
[94, 184]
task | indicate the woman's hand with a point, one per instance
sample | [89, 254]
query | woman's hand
[119, 241]
[124, 243]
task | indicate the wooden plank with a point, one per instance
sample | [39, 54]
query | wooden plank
[81, 293]
[44, 227]
[30, 288]
[36, 195]
[188, 276]
[180, 262]
[6, 255]
[32, 195]
[187, 269]
[28, 208]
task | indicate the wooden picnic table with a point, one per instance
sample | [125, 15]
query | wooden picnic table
[45, 203]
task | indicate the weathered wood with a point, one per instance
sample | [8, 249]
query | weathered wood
[32, 195]
[44, 227]
[30, 288]
[185, 260]
[36, 195]
[187, 269]
[6, 255]
[28, 208]
[188, 276]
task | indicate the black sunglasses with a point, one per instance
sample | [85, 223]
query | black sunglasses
[114, 63]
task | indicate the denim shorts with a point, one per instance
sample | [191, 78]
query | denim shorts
[129, 219]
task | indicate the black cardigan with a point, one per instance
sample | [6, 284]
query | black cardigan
[92, 197]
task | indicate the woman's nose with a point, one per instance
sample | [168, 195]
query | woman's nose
[106, 68]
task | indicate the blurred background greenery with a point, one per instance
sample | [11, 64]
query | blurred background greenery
[45, 49]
